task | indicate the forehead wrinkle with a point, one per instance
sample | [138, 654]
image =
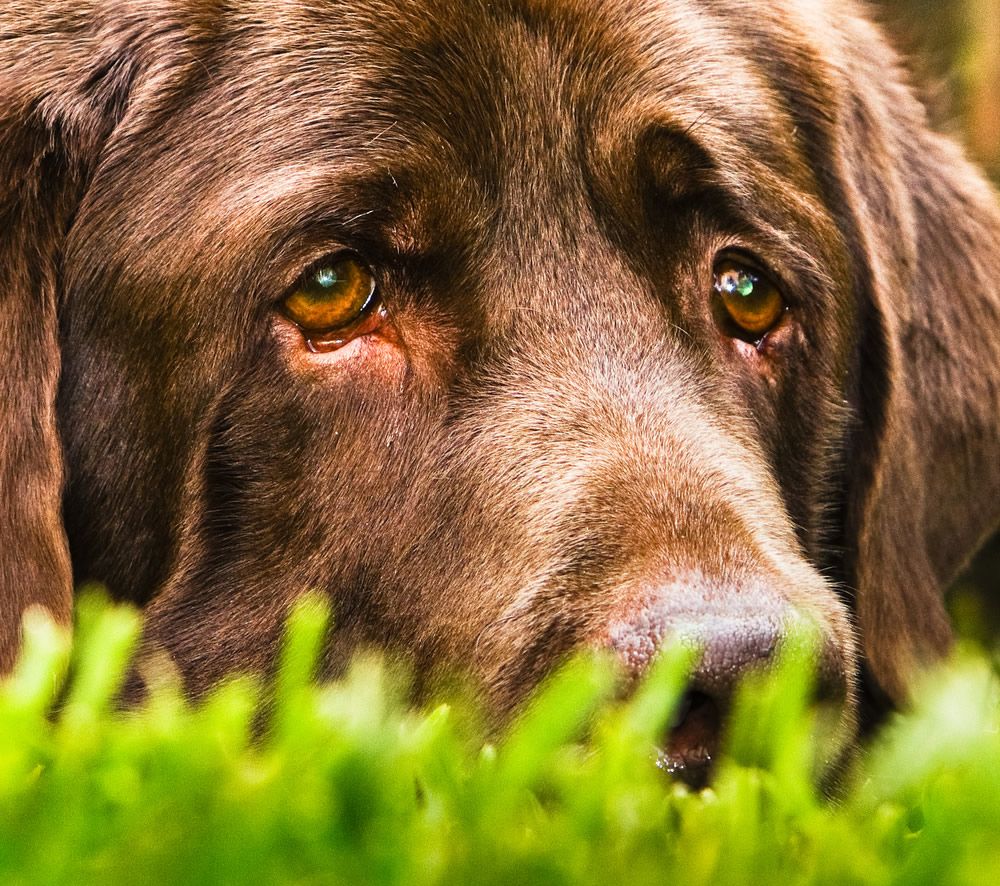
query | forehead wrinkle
[746, 119]
[797, 47]
[426, 74]
[735, 124]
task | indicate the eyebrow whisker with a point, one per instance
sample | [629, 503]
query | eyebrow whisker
[359, 215]
[383, 132]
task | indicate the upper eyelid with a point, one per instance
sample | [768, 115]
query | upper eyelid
[793, 271]
[751, 260]
[328, 258]
[297, 268]
[742, 256]
[304, 245]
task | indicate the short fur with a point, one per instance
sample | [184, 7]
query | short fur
[557, 444]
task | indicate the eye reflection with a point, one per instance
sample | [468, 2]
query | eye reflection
[751, 301]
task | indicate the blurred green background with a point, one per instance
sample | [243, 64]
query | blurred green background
[953, 49]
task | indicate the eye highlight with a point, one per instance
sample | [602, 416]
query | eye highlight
[751, 302]
[334, 302]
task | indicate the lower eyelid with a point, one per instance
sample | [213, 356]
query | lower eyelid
[367, 323]
[375, 354]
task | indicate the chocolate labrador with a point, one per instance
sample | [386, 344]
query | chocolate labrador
[514, 326]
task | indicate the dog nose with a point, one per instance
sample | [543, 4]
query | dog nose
[729, 647]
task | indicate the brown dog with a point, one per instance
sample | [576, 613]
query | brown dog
[515, 326]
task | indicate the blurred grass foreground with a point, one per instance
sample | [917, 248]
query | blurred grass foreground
[346, 784]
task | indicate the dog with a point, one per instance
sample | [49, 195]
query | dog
[516, 327]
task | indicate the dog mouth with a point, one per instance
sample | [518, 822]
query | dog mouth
[693, 739]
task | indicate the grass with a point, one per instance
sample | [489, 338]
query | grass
[349, 785]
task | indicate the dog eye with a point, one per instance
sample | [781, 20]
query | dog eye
[750, 300]
[332, 298]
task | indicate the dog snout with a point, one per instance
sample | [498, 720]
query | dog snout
[728, 646]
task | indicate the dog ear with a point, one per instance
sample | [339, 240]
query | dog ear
[924, 473]
[62, 90]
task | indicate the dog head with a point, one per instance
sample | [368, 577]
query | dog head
[513, 326]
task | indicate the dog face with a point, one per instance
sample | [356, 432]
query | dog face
[514, 327]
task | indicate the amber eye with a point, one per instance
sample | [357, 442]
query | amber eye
[751, 301]
[333, 296]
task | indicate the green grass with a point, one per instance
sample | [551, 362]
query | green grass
[349, 785]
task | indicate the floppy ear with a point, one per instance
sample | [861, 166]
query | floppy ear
[924, 485]
[61, 91]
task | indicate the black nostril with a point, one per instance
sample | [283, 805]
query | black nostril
[693, 740]
[683, 709]
[832, 683]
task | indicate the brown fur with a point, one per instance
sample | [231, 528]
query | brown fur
[556, 445]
